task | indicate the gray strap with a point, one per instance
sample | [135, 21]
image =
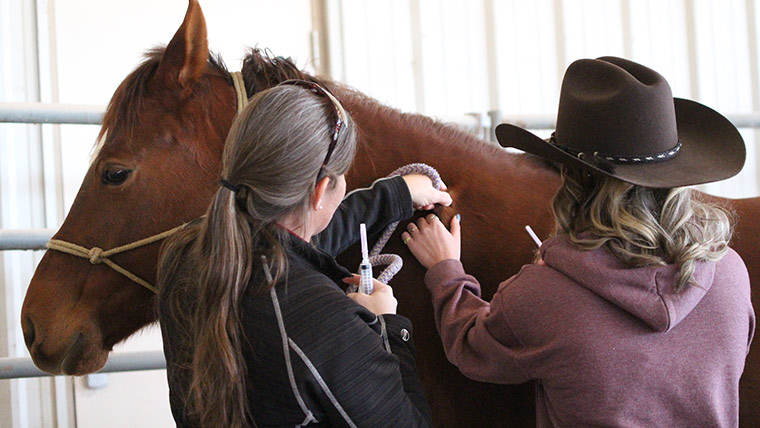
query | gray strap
[384, 334]
[366, 188]
[285, 351]
[321, 383]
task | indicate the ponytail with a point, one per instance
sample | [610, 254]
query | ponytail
[217, 393]
[207, 269]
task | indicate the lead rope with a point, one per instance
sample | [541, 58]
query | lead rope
[393, 261]
[97, 255]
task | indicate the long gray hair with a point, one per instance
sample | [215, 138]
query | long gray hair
[641, 225]
[272, 155]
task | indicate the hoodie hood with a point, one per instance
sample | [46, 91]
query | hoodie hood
[648, 293]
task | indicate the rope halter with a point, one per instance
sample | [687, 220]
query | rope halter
[97, 255]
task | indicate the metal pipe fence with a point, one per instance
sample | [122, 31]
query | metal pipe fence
[51, 113]
[35, 239]
[16, 368]
[24, 239]
[93, 115]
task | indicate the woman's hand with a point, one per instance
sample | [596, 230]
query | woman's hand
[430, 242]
[424, 195]
[380, 302]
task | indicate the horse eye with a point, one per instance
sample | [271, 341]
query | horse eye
[115, 176]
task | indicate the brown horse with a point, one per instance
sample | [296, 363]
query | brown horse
[158, 166]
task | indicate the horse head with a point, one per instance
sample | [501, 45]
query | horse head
[161, 140]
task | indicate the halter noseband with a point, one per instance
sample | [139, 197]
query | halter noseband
[97, 255]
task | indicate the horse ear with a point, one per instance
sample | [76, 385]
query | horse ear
[185, 57]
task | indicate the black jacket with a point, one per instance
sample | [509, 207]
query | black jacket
[344, 366]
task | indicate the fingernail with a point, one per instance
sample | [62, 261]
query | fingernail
[459, 218]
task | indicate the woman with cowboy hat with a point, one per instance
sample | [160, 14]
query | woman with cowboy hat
[637, 312]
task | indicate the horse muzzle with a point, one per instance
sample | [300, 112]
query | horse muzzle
[80, 354]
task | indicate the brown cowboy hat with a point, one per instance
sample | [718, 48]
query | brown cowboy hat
[619, 118]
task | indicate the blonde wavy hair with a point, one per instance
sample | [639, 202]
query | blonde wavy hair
[640, 225]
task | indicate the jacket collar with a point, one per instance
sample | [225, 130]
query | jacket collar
[316, 258]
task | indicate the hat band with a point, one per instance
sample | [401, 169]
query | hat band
[651, 158]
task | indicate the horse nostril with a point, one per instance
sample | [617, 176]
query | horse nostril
[28, 327]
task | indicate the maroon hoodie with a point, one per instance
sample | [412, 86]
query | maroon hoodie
[608, 345]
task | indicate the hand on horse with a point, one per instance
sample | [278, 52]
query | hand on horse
[380, 302]
[431, 243]
[424, 195]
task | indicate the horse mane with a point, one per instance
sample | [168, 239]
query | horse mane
[125, 105]
[262, 70]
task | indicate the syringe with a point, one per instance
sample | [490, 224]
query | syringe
[365, 268]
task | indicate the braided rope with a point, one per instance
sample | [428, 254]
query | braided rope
[393, 261]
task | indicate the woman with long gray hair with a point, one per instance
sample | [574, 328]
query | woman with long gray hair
[637, 313]
[257, 331]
